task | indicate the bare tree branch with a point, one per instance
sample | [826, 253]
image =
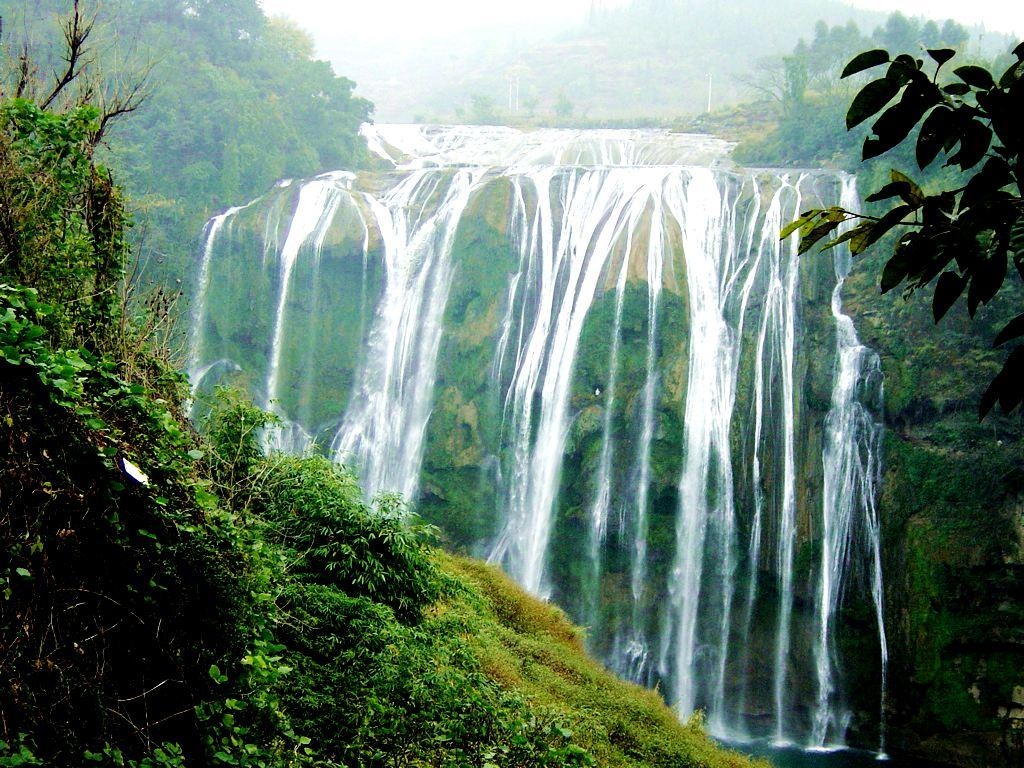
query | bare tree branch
[125, 99]
[76, 33]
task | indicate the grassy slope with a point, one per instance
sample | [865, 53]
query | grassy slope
[530, 646]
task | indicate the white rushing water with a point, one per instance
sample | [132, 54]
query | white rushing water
[383, 430]
[197, 368]
[852, 468]
[672, 498]
[318, 202]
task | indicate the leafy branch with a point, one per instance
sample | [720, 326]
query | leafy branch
[962, 238]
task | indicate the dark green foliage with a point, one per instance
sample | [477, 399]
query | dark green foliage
[234, 428]
[93, 564]
[963, 236]
[62, 223]
[315, 514]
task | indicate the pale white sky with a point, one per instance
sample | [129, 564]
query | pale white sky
[422, 18]
[425, 18]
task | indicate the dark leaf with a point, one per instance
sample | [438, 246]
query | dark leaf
[974, 143]
[914, 196]
[957, 89]
[947, 290]
[1007, 388]
[940, 204]
[986, 279]
[986, 183]
[896, 123]
[890, 190]
[934, 133]
[879, 228]
[1012, 74]
[1019, 52]
[793, 226]
[820, 231]
[979, 77]
[873, 148]
[852, 235]
[1016, 244]
[871, 98]
[903, 69]
[959, 245]
[1013, 330]
[1004, 109]
[942, 55]
[894, 273]
[865, 60]
[910, 249]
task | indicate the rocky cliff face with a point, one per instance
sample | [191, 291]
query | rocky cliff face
[953, 541]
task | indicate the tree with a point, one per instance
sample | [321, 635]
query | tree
[962, 237]
[62, 219]
[484, 111]
[563, 106]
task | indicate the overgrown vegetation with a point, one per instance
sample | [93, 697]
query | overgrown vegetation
[963, 235]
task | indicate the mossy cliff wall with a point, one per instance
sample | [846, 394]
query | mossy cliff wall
[953, 511]
[326, 318]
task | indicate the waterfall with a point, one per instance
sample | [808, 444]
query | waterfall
[587, 356]
[851, 461]
[383, 430]
[196, 368]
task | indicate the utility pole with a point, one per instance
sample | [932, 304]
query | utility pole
[514, 74]
[513, 92]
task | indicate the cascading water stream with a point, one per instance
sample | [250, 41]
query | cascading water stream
[787, 525]
[383, 431]
[318, 201]
[631, 657]
[196, 368]
[601, 506]
[851, 462]
[705, 483]
[660, 492]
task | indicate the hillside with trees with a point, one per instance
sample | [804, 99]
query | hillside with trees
[229, 102]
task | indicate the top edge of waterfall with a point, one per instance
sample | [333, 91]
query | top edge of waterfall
[411, 145]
